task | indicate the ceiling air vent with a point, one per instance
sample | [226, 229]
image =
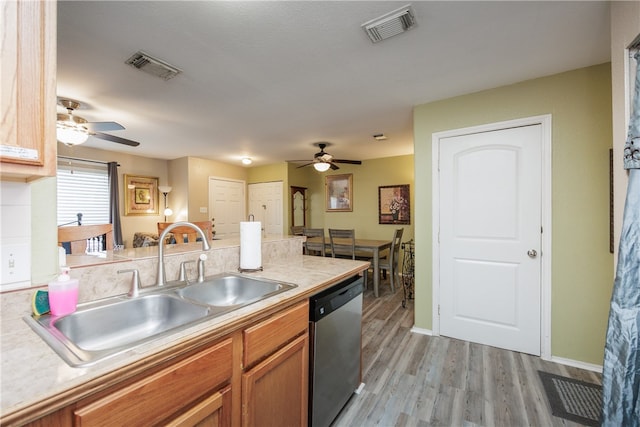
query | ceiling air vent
[154, 66]
[390, 24]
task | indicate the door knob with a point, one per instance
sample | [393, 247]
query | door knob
[532, 253]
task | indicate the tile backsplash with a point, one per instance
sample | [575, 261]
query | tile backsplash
[15, 235]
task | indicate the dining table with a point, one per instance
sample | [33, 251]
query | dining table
[366, 247]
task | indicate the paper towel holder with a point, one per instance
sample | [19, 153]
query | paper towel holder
[251, 218]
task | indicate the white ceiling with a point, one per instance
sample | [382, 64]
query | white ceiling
[267, 79]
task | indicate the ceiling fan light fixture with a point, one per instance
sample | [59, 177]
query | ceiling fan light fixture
[70, 130]
[321, 166]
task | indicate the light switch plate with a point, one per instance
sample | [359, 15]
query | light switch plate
[15, 262]
[203, 210]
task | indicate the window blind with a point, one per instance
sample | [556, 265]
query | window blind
[83, 189]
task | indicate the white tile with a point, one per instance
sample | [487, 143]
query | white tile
[15, 193]
[15, 221]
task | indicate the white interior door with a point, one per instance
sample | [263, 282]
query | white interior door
[490, 237]
[265, 203]
[226, 206]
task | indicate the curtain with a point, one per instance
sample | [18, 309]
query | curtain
[114, 203]
[621, 370]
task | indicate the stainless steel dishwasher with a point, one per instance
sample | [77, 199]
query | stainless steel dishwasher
[336, 319]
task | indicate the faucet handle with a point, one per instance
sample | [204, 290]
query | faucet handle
[182, 277]
[135, 282]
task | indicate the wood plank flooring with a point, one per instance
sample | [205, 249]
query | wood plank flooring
[417, 380]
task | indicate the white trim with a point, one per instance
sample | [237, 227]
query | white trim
[435, 230]
[577, 364]
[421, 331]
[545, 260]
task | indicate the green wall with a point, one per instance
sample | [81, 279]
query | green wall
[366, 180]
[582, 267]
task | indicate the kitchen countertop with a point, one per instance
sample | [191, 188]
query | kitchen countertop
[33, 374]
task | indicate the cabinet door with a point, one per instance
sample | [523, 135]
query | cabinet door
[28, 144]
[214, 411]
[158, 396]
[275, 392]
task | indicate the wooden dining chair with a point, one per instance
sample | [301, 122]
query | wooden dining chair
[347, 250]
[74, 238]
[344, 249]
[314, 232]
[192, 235]
[390, 261]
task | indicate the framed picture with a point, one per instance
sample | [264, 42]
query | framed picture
[141, 195]
[338, 191]
[393, 204]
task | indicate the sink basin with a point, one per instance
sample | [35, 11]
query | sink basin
[108, 328]
[112, 326]
[232, 290]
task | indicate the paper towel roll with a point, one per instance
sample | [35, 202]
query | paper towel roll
[250, 245]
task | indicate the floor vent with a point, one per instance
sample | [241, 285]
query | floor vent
[390, 24]
[154, 66]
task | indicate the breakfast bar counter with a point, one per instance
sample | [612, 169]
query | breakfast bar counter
[35, 381]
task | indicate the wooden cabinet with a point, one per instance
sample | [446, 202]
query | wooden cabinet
[214, 411]
[256, 375]
[275, 392]
[28, 144]
[195, 387]
[276, 377]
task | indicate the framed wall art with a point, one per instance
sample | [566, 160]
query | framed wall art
[141, 195]
[339, 193]
[393, 204]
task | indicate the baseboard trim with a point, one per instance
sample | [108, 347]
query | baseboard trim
[421, 331]
[577, 364]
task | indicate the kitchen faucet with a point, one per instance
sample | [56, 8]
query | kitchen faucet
[205, 246]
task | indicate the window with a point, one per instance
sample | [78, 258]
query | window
[83, 188]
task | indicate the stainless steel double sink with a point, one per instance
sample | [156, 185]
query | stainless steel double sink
[111, 326]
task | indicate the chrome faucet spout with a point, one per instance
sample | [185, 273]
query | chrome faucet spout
[161, 279]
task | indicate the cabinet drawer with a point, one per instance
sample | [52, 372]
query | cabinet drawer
[164, 393]
[266, 337]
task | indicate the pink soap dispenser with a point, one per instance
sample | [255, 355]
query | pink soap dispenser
[63, 294]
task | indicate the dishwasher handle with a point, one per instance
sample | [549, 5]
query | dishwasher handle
[328, 301]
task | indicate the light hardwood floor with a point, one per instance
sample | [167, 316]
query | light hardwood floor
[418, 380]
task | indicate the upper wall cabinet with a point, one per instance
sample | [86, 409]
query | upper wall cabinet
[28, 92]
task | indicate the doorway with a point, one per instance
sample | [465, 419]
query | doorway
[491, 211]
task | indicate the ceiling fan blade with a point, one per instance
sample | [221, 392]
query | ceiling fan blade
[334, 166]
[115, 139]
[306, 164]
[103, 126]
[351, 162]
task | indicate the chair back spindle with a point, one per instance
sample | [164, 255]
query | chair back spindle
[86, 238]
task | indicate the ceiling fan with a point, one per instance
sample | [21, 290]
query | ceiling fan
[322, 160]
[74, 130]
